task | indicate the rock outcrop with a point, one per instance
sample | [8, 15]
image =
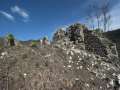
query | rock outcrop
[81, 37]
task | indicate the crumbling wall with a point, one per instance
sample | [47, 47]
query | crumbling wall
[3, 42]
[84, 39]
[94, 44]
[75, 33]
[60, 34]
[99, 45]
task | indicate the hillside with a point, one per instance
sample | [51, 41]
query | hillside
[77, 59]
[115, 37]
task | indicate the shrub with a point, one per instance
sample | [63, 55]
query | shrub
[33, 43]
[45, 38]
[45, 41]
[10, 39]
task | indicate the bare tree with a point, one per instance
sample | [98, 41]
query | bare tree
[100, 14]
[109, 22]
[94, 15]
[105, 8]
[91, 21]
[98, 20]
[97, 14]
[90, 18]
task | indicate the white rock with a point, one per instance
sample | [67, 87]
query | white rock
[94, 57]
[100, 87]
[72, 53]
[108, 68]
[104, 76]
[89, 55]
[70, 61]
[108, 85]
[25, 74]
[4, 53]
[76, 50]
[73, 47]
[80, 59]
[92, 78]
[48, 55]
[64, 66]
[92, 64]
[112, 82]
[114, 74]
[87, 85]
[119, 81]
[85, 54]
[1, 57]
[69, 66]
[118, 76]
[88, 68]
[76, 79]
[70, 57]
[81, 67]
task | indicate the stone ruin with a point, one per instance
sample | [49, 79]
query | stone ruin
[82, 38]
[3, 42]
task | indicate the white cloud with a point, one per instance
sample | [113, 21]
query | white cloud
[115, 17]
[7, 15]
[20, 12]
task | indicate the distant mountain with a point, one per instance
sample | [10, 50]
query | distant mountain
[115, 37]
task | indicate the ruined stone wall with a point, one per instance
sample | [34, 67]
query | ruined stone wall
[84, 39]
[60, 34]
[93, 44]
[3, 42]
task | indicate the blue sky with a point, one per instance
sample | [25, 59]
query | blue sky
[33, 19]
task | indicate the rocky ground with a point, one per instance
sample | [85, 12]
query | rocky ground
[55, 68]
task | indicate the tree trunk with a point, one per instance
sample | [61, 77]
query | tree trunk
[12, 43]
